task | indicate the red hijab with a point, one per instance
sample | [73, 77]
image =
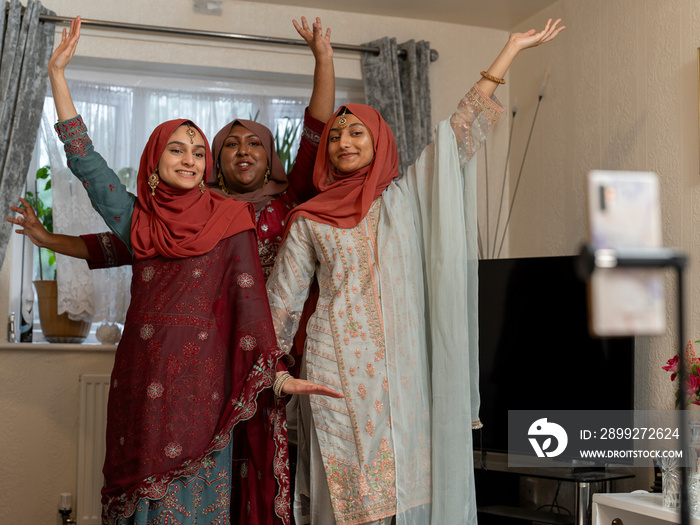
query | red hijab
[345, 199]
[277, 181]
[177, 223]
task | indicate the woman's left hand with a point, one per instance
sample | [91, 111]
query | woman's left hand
[532, 38]
[319, 43]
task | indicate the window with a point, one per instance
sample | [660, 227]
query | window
[120, 112]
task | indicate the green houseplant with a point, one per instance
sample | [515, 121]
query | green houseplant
[56, 328]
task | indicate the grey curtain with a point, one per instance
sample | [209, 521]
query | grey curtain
[27, 45]
[399, 87]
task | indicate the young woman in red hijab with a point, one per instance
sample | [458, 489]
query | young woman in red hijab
[395, 326]
[195, 432]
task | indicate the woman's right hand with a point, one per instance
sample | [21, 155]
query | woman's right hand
[302, 386]
[66, 48]
[30, 223]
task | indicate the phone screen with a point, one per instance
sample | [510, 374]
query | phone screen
[624, 213]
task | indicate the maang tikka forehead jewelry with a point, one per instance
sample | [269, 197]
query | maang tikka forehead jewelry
[343, 121]
[190, 133]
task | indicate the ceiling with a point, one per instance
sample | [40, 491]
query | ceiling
[494, 14]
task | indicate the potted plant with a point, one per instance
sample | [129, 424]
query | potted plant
[56, 328]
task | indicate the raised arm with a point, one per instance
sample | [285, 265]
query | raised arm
[107, 194]
[62, 55]
[322, 101]
[479, 110]
[516, 43]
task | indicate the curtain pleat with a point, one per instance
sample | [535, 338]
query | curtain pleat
[399, 87]
[26, 48]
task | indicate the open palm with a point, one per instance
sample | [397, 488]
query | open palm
[532, 38]
[66, 49]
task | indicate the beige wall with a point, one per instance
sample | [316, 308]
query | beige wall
[623, 94]
[39, 394]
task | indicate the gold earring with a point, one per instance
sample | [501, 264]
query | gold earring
[202, 186]
[267, 177]
[153, 181]
[222, 183]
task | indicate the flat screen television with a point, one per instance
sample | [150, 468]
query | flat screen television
[535, 350]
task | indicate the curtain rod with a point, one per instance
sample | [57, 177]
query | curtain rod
[214, 34]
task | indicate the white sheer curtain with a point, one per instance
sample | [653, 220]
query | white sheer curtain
[100, 295]
[119, 121]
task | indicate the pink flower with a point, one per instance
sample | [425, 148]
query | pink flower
[672, 367]
[692, 386]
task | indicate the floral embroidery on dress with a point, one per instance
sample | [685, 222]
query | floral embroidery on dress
[370, 428]
[244, 469]
[264, 227]
[385, 385]
[197, 273]
[78, 146]
[203, 336]
[362, 391]
[248, 343]
[147, 331]
[155, 390]
[173, 449]
[148, 273]
[245, 280]
[370, 369]
[378, 405]
[174, 366]
[157, 490]
[190, 349]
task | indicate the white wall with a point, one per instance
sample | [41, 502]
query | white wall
[39, 394]
[623, 94]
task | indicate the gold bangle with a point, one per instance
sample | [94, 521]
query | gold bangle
[492, 78]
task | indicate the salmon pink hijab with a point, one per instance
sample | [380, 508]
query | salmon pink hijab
[345, 199]
[177, 223]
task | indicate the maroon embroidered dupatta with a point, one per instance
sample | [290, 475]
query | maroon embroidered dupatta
[192, 372]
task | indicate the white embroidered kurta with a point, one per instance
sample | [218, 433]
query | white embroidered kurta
[370, 338]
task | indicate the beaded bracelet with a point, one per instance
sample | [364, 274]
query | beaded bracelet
[490, 77]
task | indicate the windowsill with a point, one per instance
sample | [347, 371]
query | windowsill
[58, 347]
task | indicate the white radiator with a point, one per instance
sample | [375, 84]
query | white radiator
[92, 421]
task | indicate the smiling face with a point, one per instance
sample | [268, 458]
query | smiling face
[183, 161]
[243, 160]
[351, 146]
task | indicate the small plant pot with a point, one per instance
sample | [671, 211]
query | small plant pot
[57, 328]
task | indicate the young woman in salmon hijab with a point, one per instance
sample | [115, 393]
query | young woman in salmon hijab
[395, 326]
[194, 432]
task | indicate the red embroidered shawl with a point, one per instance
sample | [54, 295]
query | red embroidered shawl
[192, 371]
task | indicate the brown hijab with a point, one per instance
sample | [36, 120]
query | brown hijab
[277, 182]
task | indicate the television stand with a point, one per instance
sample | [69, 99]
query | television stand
[498, 462]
